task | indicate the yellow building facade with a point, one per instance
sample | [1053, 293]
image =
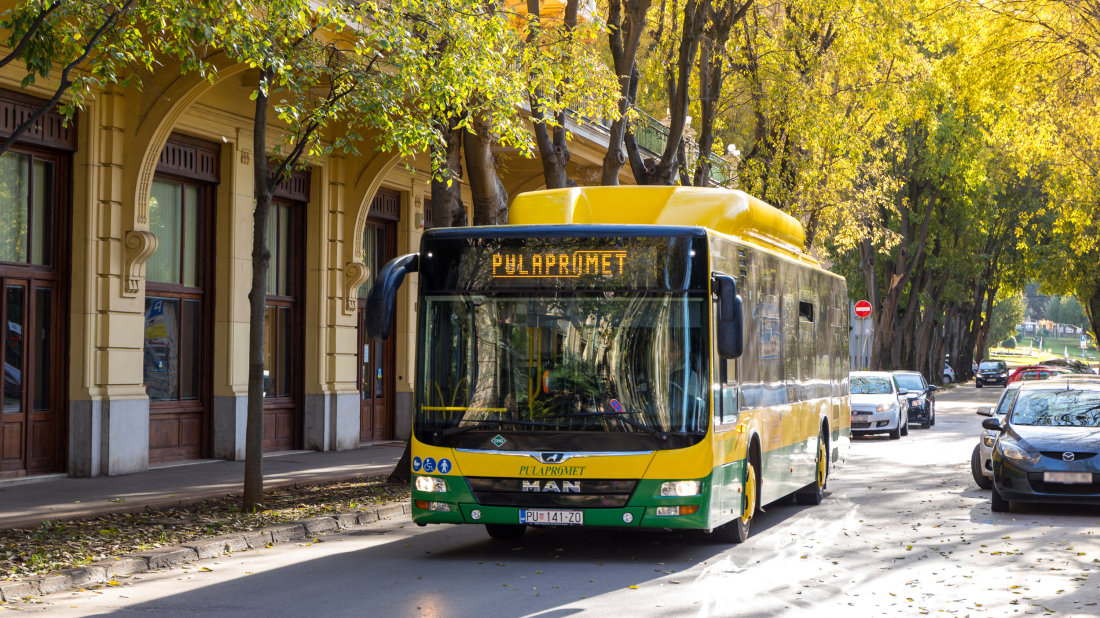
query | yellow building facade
[125, 265]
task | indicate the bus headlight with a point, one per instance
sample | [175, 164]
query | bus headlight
[680, 488]
[430, 483]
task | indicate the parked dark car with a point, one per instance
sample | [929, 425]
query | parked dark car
[1047, 446]
[991, 372]
[922, 400]
[1075, 366]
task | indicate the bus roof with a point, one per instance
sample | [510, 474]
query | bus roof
[722, 210]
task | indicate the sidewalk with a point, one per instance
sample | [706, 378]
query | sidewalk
[27, 504]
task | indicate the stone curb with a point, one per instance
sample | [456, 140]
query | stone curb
[164, 557]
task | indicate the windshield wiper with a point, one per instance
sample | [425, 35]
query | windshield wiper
[619, 415]
[438, 436]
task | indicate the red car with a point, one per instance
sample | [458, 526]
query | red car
[1035, 372]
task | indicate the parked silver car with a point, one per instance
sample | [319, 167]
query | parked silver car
[981, 463]
[879, 405]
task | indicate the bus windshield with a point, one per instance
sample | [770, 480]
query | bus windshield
[632, 362]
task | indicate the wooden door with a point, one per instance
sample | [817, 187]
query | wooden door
[376, 359]
[32, 286]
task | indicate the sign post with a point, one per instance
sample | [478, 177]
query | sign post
[863, 312]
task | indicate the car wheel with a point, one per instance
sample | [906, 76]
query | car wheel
[946, 380]
[932, 419]
[895, 434]
[905, 425]
[997, 503]
[977, 385]
[976, 469]
[506, 532]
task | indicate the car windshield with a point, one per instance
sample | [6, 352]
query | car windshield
[871, 386]
[616, 362]
[989, 366]
[910, 382]
[1058, 408]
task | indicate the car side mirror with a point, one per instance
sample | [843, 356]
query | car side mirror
[992, 424]
[933, 387]
[985, 411]
[903, 391]
[382, 299]
[731, 319]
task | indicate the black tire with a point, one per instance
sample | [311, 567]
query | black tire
[814, 493]
[976, 469]
[932, 418]
[947, 380]
[896, 433]
[506, 532]
[999, 504]
[977, 385]
[905, 425]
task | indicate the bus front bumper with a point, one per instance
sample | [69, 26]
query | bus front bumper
[630, 516]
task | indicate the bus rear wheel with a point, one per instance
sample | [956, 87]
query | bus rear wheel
[737, 531]
[506, 532]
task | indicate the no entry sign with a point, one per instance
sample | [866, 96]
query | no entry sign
[863, 309]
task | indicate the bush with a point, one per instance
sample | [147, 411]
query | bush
[1009, 343]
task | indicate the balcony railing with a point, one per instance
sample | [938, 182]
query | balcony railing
[652, 136]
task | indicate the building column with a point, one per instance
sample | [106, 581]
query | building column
[108, 409]
[233, 280]
[332, 399]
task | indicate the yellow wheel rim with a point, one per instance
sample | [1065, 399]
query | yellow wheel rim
[750, 496]
[821, 464]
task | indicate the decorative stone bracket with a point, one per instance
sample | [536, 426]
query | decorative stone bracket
[355, 275]
[140, 246]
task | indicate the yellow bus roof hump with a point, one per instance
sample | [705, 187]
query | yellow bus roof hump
[722, 210]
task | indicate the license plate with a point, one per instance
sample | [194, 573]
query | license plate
[860, 418]
[1067, 477]
[551, 518]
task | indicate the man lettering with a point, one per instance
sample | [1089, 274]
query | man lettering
[530, 485]
[551, 486]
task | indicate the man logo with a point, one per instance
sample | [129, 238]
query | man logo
[552, 458]
[552, 487]
[1067, 456]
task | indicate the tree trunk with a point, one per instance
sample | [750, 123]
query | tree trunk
[447, 208]
[488, 194]
[986, 321]
[665, 170]
[257, 304]
[553, 149]
[623, 34]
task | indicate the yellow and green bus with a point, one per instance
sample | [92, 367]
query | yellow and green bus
[662, 357]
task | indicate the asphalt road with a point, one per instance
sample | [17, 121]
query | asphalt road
[903, 531]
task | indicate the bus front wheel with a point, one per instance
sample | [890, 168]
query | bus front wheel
[737, 531]
[506, 532]
[813, 493]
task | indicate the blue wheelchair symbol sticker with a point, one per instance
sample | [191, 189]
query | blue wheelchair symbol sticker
[429, 465]
[416, 464]
[444, 466]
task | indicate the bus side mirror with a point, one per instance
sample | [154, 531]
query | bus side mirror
[382, 299]
[731, 320]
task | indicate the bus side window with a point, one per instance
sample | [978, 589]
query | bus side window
[730, 390]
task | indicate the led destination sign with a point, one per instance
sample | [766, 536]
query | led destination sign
[563, 263]
[579, 263]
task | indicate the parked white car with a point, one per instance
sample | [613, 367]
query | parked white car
[878, 404]
[948, 374]
[981, 464]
